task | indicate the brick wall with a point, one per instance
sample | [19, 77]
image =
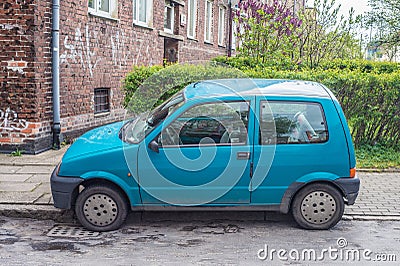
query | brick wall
[25, 76]
[197, 49]
[95, 52]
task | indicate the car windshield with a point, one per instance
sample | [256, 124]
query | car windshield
[136, 129]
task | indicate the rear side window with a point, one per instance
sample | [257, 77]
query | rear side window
[294, 123]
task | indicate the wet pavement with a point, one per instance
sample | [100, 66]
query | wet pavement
[167, 239]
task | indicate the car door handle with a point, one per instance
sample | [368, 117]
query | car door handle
[243, 155]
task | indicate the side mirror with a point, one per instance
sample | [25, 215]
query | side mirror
[153, 145]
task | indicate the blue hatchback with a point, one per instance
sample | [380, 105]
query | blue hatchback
[234, 144]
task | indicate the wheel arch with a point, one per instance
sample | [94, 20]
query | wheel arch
[102, 181]
[296, 187]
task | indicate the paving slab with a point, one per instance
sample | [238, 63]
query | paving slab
[35, 169]
[15, 177]
[27, 198]
[50, 157]
[38, 178]
[9, 169]
[45, 199]
[17, 186]
[43, 187]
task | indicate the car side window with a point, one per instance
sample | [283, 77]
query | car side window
[294, 122]
[220, 123]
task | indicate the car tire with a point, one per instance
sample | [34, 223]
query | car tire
[101, 208]
[318, 207]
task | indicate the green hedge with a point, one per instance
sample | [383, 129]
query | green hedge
[146, 87]
[369, 92]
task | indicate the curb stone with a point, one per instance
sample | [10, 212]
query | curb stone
[377, 170]
[39, 212]
[376, 218]
[27, 164]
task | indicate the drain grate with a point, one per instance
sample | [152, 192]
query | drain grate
[71, 231]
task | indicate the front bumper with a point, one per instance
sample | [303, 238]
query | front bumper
[64, 189]
[350, 188]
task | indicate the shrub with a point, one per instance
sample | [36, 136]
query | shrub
[369, 92]
[146, 87]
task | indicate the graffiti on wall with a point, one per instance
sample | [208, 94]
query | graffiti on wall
[121, 54]
[9, 120]
[82, 48]
[79, 50]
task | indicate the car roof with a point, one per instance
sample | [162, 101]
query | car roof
[259, 87]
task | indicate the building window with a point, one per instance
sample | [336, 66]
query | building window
[104, 8]
[142, 12]
[221, 26]
[208, 22]
[169, 17]
[101, 100]
[192, 12]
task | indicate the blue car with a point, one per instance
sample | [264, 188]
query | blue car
[233, 144]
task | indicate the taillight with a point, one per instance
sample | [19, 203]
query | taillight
[353, 172]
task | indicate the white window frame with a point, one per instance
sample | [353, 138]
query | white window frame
[234, 43]
[136, 13]
[192, 18]
[95, 10]
[221, 25]
[208, 18]
[169, 4]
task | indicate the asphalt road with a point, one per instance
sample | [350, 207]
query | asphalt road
[201, 239]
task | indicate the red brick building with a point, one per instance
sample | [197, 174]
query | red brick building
[99, 41]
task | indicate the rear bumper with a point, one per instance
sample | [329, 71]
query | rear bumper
[350, 188]
[64, 189]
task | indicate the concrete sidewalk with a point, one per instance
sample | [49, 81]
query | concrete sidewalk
[25, 189]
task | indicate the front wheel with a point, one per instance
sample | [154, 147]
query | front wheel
[318, 206]
[101, 208]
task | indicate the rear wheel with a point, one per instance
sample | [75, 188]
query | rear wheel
[101, 208]
[318, 206]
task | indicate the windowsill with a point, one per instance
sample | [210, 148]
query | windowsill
[169, 35]
[221, 46]
[168, 31]
[145, 26]
[100, 15]
[102, 114]
[192, 39]
[209, 43]
[179, 2]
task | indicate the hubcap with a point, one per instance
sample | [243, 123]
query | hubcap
[318, 207]
[100, 210]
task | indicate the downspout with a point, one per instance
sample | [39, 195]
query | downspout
[230, 28]
[55, 32]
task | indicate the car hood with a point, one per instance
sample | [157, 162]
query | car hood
[95, 141]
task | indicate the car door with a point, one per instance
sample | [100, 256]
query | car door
[204, 156]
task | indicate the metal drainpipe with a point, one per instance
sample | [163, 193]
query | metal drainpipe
[56, 72]
[230, 28]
